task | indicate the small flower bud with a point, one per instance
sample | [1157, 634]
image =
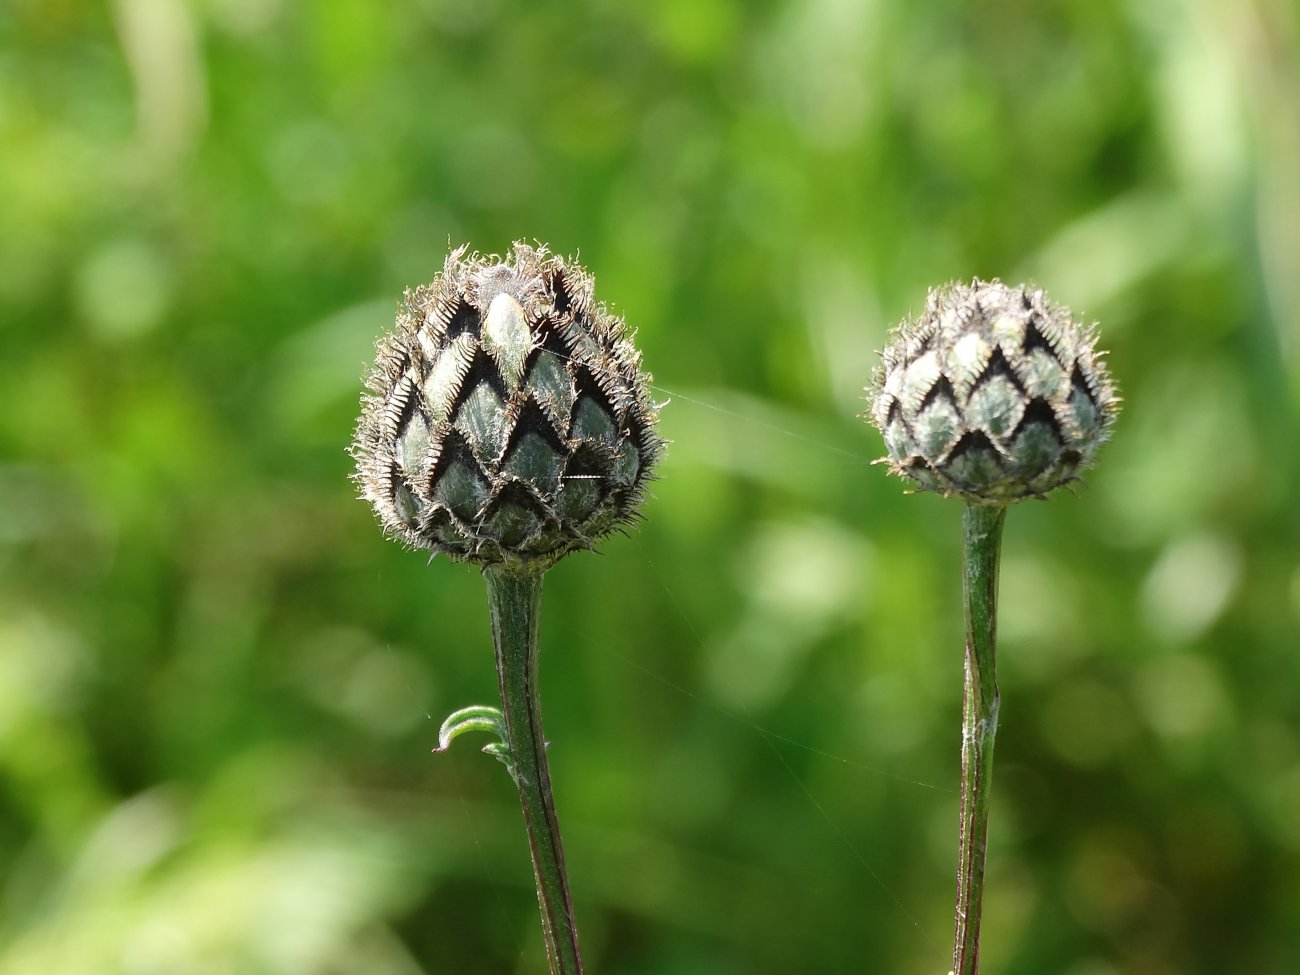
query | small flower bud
[508, 419]
[994, 394]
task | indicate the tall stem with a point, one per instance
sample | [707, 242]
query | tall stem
[514, 598]
[982, 528]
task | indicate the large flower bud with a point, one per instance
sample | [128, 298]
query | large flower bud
[508, 419]
[994, 394]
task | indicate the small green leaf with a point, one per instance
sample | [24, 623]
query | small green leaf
[478, 717]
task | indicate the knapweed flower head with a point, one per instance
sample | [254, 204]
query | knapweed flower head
[995, 394]
[508, 419]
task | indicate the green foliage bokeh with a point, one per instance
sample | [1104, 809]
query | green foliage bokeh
[219, 685]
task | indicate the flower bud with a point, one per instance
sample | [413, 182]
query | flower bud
[994, 394]
[508, 419]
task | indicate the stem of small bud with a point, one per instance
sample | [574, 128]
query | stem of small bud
[982, 526]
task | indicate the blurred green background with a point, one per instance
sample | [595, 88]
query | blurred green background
[219, 685]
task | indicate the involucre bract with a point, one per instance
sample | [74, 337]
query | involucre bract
[508, 419]
[995, 394]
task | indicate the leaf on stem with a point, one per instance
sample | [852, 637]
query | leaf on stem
[477, 717]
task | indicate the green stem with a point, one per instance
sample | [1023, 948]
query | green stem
[514, 598]
[982, 527]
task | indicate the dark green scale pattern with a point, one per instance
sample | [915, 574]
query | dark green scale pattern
[994, 394]
[508, 417]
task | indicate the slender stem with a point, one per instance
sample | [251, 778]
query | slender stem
[982, 527]
[514, 598]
